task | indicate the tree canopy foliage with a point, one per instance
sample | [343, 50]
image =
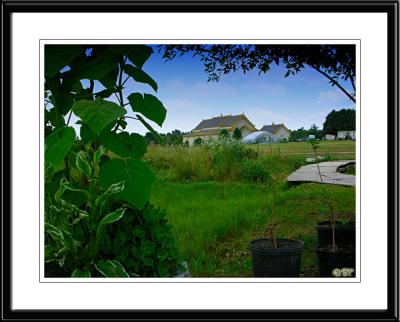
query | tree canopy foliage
[171, 138]
[224, 133]
[237, 134]
[335, 62]
[302, 133]
[343, 120]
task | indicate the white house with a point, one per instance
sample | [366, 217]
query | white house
[330, 137]
[279, 130]
[341, 135]
[210, 128]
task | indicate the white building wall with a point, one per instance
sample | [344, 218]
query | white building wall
[282, 133]
[342, 134]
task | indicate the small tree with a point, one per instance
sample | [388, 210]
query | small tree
[224, 133]
[315, 146]
[237, 134]
[197, 141]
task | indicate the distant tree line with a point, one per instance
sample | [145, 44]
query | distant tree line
[170, 138]
[175, 137]
[302, 133]
[343, 120]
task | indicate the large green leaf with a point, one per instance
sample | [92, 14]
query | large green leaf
[149, 106]
[105, 93]
[95, 69]
[149, 127]
[111, 268]
[68, 186]
[53, 231]
[112, 190]
[140, 76]
[58, 56]
[83, 165]
[110, 218]
[81, 273]
[86, 133]
[138, 54]
[110, 78]
[97, 114]
[55, 117]
[125, 145]
[138, 180]
[60, 96]
[58, 144]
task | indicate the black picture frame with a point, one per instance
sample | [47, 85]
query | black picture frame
[391, 8]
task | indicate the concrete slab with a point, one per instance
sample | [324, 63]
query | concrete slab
[329, 173]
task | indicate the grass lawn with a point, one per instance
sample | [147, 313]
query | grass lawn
[215, 222]
[344, 149]
[216, 207]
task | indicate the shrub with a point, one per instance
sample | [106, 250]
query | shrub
[198, 141]
[237, 134]
[254, 170]
[80, 217]
[225, 155]
[224, 133]
[144, 244]
[250, 153]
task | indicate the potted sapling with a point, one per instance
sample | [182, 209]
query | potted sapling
[275, 257]
[343, 231]
[336, 245]
[336, 239]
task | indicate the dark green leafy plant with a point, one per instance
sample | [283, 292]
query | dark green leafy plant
[144, 243]
[224, 133]
[237, 134]
[254, 170]
[93, 181]
[197, 141]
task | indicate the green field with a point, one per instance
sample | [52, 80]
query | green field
[216, 210]
[337, 149]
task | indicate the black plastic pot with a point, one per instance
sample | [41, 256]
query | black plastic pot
[283, 261]
[337, 264]
[344, 233]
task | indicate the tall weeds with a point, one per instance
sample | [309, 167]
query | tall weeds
[223, 159]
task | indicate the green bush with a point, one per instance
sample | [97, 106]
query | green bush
[225, 155]
[237, 134]
[81, 217]
[198, 141]
[254, 170]
[143, 242]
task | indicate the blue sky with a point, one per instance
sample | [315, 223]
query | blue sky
[297, 101]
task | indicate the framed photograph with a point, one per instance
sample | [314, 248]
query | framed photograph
[193, 160]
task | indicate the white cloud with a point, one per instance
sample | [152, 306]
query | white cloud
[183, 114]
[267, 88]
[330, 97]
[210, 89]
[263, 115]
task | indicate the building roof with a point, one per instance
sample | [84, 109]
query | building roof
[202, 133]
[273, 128]
[223, 121]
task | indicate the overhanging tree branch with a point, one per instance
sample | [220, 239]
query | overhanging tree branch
[336, 83]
